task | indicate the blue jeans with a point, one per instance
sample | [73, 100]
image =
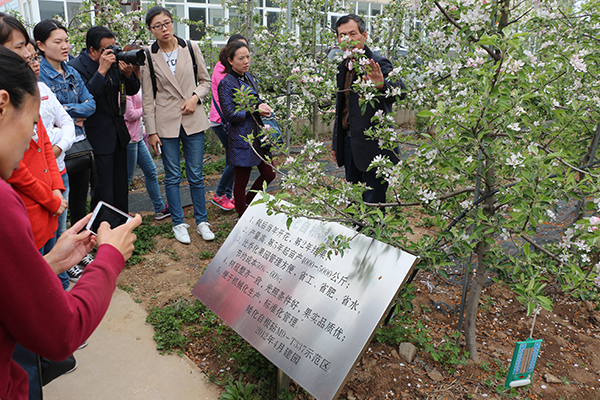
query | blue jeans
[193, 152]
[225, 186]
[64, 278]
[354, 175]
[30, 363]
[62, 218]
[137, 153]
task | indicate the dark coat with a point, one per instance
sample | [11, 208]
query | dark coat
[241, 123]
[364, 148]
[106, 127]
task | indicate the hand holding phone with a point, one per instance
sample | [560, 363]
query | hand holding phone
[106, 212]
[121, 237]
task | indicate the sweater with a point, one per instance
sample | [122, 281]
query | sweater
[133, 116]
[34, 180]
[36, 312]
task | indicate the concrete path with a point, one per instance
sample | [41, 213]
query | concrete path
[121, 362]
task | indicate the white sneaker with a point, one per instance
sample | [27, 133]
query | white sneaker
[204, 231]
[181, 233]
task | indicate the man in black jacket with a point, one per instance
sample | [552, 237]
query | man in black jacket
[108, 80]
[351, 148]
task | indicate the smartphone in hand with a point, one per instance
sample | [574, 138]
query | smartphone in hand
[108, 213]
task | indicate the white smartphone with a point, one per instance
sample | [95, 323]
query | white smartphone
[108, 213]
[158, 149]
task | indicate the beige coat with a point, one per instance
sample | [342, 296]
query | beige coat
[163, 114]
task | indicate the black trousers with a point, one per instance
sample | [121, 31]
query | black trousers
[112, 179]
[79, 184]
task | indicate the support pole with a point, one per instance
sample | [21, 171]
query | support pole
[283, 382]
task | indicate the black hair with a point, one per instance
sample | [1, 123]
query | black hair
[8, 24]
[44, 29]
[95, 35]
[228, 52]
[236, 38]
[154, 11]
[362, 26]
[16, 77]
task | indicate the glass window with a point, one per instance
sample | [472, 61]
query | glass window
[48, 9]
[334, 19]
[199, 15]
[215, 18]
[363, 8]
[73, 12]
[235, 24]
[272, 19]
[271, 3]
[178, 10]
[214, 1]
[375, 9]
[196, 1]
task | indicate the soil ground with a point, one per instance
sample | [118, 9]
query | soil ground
[567, 367]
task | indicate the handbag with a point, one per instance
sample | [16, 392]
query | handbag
[276, 135]
[79, 157]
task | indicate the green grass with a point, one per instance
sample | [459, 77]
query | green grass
[144, 242]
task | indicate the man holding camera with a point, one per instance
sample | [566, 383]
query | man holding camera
[109, 80]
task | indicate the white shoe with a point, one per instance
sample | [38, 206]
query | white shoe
[181, 233]
[204, 231]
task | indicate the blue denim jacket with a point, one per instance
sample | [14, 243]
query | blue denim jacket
[69, 90]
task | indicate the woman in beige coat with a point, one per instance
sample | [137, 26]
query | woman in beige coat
[173, 114]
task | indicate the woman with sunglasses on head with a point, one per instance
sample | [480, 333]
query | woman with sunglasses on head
[173, 115]
[43, 317]
[236, 59]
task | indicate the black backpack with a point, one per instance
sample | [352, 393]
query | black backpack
[151, 66]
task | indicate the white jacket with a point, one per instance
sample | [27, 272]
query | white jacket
[59, 125]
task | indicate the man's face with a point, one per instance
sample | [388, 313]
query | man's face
[350, 31]
[104, 43]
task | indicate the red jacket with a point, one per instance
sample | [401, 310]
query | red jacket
[34, 180]
[35, 311]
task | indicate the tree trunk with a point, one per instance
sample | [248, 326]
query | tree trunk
[480, 276]
[249, 18]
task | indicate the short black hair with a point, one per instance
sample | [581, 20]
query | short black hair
[95, 35]
[228, 52]
[154, 11]
[16, 77]
[362, 26]
[44, 29]
[8, 24]
[236, 38]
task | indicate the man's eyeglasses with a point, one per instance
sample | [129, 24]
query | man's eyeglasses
[159, 27]
[34, 59]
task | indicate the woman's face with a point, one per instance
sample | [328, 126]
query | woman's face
[162, 28]
[18, 44]
[33, 61]
[240, 62]
[56, 47]
[16, 130]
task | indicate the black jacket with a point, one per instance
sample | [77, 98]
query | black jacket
[364, 149]
[106, 127]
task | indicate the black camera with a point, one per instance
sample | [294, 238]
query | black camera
[135, 57]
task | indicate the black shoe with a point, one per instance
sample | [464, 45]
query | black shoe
[53, 369]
